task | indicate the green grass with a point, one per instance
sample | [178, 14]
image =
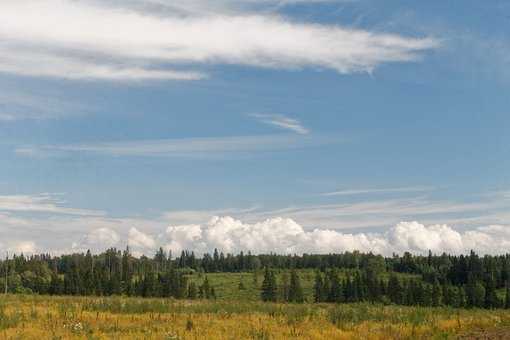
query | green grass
[226, 285]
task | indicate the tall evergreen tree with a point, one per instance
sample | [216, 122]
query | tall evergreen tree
[295, 290]
[319, 294]
[269, 286]
[437, 294]
[395, 290]
[507, 296]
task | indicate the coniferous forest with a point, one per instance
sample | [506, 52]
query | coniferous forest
[434, 280]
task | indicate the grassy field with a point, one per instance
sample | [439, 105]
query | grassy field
[237, 314]
[41, 317]
[227, 284]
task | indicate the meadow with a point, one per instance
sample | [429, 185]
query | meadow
[236, 314]
[227, 284]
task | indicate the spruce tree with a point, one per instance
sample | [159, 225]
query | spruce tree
[507, 296]
[285, 287]
[295, 290]
[335, 287]
[318, 288]
[436, 294]
[478, 297]
[349, 291]
[269, 287]
[395, 290]
[491, 299]
[192, 291]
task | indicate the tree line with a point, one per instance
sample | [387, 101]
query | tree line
[455, 280]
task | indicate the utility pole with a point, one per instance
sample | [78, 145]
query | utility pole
[6, 270]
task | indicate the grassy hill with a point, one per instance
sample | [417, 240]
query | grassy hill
[226, 285]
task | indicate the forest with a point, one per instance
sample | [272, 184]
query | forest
[461, 281]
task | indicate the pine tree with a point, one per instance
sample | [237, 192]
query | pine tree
[318, 288]
[350, 293]
[269, 286]
[255, 278]
[447, 295]
[507, 296]
[206, 289]
[395, 290]
[285, 286]
[436, 294]
[335, 287]
[491, 299]
[359, 287]
[478, 295]
[192, 291]
[295, 290]
[462, 297]
[182, 289]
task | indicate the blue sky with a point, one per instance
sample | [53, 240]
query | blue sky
[119, 119]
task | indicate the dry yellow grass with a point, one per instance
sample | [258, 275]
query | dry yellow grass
[38, 317]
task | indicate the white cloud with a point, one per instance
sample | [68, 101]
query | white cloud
[45, 203]
[179, 237]
[349, 192]
[479, 226]
[285, 236]
[93, 40]
[186, 7]
[138, 239]
[17, 105]
[186, 147]
[20, 247]
[17, 247]
[282, 121]
[97, 240]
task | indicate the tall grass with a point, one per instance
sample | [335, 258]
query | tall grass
[39, 317]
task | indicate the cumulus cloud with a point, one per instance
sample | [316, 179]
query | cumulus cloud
[277, 235]
[25, 247]
[98, 240]
[18, 247]
[285, 236]
[21, 247]
[139, 239]
[92, 40]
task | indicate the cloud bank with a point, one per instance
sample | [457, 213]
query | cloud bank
[92, 40]
[285, 236]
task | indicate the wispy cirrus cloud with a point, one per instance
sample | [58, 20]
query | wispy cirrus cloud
[282, 122]
[476, 225]
[350, 192]
[370, 213]
[43, 203]
[92, 40]
[204, 7]
[185, 147]
[17, 105]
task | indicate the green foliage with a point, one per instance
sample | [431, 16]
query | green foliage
[295, 289]
[457, 281]
[269, 291]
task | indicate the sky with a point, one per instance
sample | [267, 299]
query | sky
[286, 126]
